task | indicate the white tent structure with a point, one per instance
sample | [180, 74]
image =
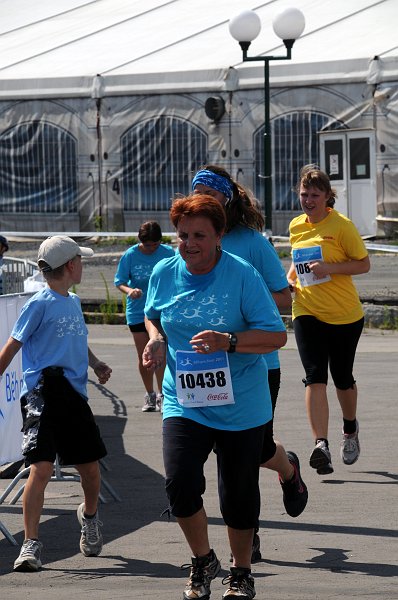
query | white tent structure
[102, 115]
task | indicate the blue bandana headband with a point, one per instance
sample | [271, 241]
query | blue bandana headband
[213, 181]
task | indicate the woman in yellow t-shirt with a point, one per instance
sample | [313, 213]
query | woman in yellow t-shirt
[327, 313]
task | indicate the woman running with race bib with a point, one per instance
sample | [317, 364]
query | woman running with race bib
[210, 315]
[327, 313]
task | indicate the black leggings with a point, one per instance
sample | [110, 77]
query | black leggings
[322, 345]
[186, 447]
[269, 446]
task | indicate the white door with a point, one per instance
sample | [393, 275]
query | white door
[349, 158]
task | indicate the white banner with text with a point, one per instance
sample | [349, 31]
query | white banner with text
[10, 385]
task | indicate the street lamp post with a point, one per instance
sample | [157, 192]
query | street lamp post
[245, 27]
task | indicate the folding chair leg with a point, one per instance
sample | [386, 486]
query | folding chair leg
[13, 483]
[110, 489]
[7, 534]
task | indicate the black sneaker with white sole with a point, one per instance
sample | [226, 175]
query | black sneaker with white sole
[203, 570]
[240, 584]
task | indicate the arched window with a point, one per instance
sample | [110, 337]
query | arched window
[295, 143]
[38, 169]
[159, 157]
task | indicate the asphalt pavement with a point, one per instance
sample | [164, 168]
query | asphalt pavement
[343, 545]
[381, 283]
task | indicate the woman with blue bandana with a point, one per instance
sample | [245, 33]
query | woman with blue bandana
[243, 238]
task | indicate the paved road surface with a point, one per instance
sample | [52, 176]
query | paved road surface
[343, 546]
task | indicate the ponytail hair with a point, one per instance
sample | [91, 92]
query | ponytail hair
[242, 208]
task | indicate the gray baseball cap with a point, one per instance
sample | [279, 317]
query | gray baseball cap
[59, 249]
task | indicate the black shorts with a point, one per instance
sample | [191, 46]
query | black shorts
[138, 328]
[322, 345]
[186, 447]
[65, 427]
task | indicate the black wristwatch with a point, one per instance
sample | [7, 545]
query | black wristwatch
[233, 340]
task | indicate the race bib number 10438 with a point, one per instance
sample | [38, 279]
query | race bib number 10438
[203, 379]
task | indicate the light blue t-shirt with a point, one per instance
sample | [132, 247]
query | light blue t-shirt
[259, 252]
[52, 330]
[232, 297]
[134, 270]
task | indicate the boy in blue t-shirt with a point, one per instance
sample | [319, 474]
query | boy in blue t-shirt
[57, 419]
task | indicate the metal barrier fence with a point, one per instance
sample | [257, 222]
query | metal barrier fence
[14, 273]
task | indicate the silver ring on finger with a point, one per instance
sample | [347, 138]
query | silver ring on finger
[206, 347]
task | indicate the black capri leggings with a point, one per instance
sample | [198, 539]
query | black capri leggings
[321, 345]
[186, 447]
[269, 446]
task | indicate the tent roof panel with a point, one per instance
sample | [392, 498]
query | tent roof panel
[16, 14]
[49, 46]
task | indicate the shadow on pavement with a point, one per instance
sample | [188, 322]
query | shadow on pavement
[143, 500]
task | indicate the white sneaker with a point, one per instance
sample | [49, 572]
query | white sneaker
[29, 557]
[350, 448]
[159, 402]
[150, 402]
[91, 538]
[321, 459]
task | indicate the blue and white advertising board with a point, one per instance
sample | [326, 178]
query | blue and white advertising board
[10, 386]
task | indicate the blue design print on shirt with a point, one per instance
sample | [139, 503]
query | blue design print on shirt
[196, 313]
[70, 325]
[141, 273]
